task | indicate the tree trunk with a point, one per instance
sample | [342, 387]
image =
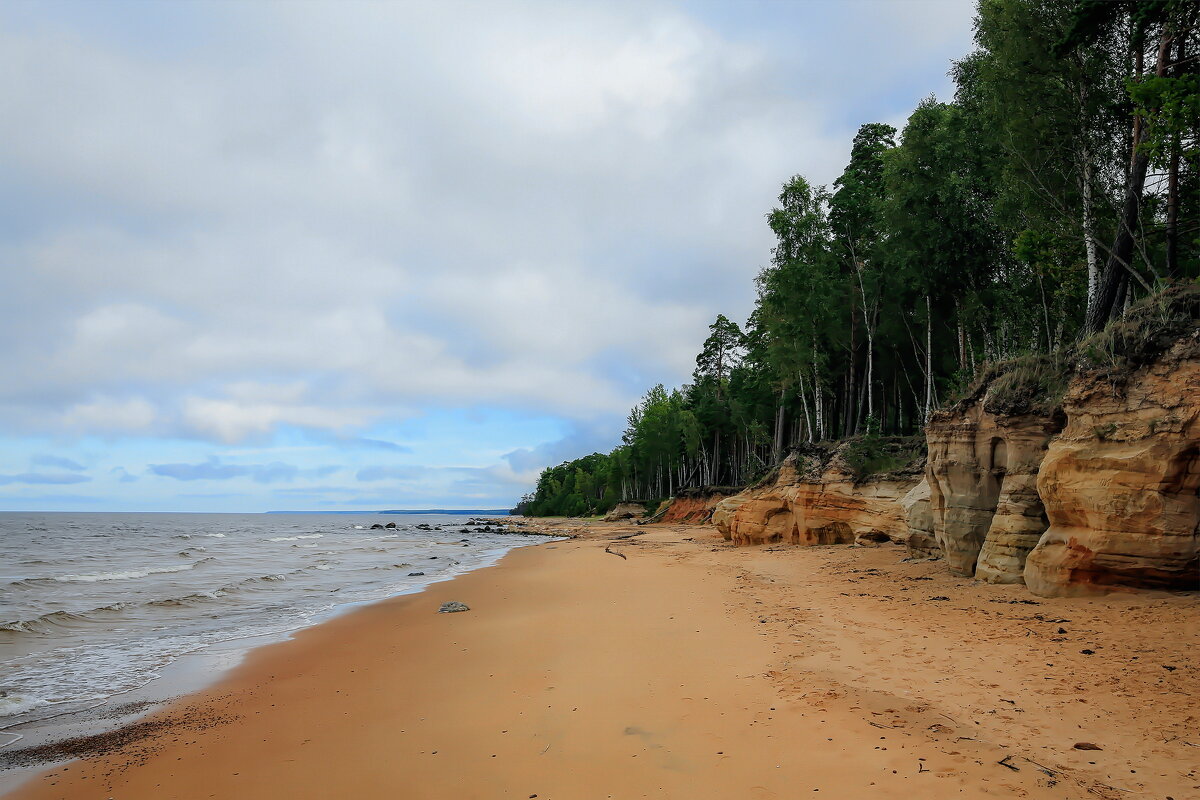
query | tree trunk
[804, 404]
[715, 473]
[818, 399]
[1089, 222]
[1111, 289]
[1173, 182]
[928, 358]
[848, 422]
[870, 328]
[778, 429]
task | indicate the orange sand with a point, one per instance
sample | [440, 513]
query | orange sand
[691, 670]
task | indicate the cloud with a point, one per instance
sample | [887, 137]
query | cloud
[312, 491]
[380, 473]
[42, 501]
[123, 476]
[56, 461]
[214, 470]
[235, 420]
[110, 415]
[60, 478]
[264, 223]
[579, 443]
[404, 204]
[376, 444]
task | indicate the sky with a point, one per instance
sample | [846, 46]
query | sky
[358, 255]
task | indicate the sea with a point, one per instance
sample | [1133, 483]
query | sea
[98, 606]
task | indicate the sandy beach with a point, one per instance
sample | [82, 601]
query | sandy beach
[659, 661]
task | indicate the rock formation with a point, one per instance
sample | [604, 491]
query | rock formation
[1120, 482]
[1078, 473]
[1072, 473]
[982, 470]
[695, 506]
[920, 541]
[815, 498]
[628, 510]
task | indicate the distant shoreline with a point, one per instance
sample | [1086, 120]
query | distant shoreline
[496, 512]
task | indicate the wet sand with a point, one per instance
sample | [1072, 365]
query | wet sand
[688, 669]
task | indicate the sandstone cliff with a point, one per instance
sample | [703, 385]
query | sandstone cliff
[983, 503]
[695, 506]
[816, 497]
[1120, 482]
[1079, 472]
[1071, 473]
[627, 510]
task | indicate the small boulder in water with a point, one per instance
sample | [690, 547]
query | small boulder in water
[390, 525]
[415, 574]
[376, 527]
[453, 607]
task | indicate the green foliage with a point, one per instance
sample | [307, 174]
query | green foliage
[956, 258]
[1034, 383]
[1144, 332]
[870, 455]
[1037, 382]
[1172, 104]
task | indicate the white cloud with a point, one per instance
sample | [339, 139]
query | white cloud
[232, 421]
[325, 215]
[111, 415]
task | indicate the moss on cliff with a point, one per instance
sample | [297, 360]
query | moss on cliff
[872, 456]
[1144, 333]
[1037, 383]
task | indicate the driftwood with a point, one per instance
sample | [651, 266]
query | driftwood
[615, 553]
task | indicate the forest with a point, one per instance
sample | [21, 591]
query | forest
[1058, 187]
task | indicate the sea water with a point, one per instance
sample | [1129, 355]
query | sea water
[97, 605]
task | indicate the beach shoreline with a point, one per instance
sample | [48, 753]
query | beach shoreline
[102, 671]
[659, 660]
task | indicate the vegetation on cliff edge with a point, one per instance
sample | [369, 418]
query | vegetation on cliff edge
[987, 245]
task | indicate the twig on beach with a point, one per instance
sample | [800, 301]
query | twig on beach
[921, 768]
[1042, 767]
[615, 553]
[1114, 788]
[1004, 763]
[878, 725]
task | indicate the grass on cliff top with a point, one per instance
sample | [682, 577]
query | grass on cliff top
[1026, 384]
[1038, 382]
[871, 455]
[1145, 332]
[863, 457]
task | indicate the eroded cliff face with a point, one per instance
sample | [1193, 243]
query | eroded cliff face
[982, 471]
[815, 499]
[1096, 490]
[1080, 478]
[921, 541]
[695, 508]
[1120, 482]
[627, 510]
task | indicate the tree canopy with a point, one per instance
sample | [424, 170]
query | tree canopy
[1056, 187]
